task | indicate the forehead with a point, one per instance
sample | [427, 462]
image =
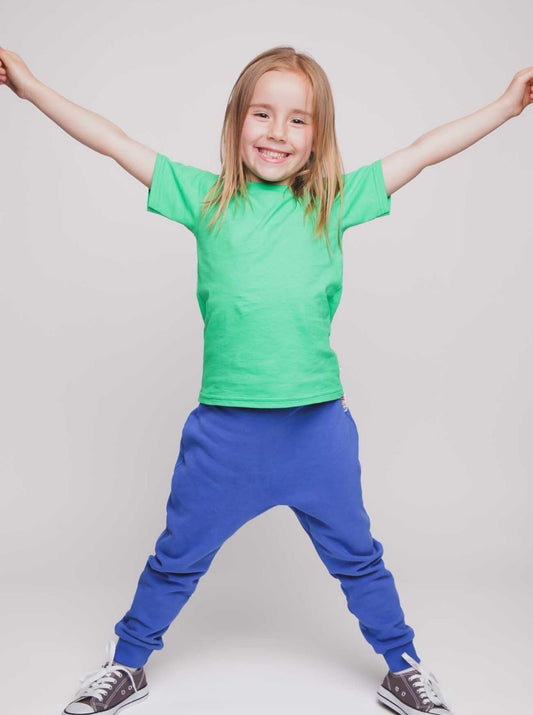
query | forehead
[284, 89]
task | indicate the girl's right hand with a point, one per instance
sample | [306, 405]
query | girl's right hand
[14, 73]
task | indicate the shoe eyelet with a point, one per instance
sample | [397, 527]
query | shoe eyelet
[403, 693]
[123, 692]
[129, 687]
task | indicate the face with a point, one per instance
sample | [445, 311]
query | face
[278, 121]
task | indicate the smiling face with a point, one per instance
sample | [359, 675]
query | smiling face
[277, 136]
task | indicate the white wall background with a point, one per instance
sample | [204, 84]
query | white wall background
[102, 346]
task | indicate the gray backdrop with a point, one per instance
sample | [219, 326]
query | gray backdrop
[102, 347]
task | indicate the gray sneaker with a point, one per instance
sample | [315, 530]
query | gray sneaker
[413, 691]
[108, 689]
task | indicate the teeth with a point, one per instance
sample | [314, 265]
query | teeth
[276, 155]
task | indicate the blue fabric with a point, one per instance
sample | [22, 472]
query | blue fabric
[235, 463]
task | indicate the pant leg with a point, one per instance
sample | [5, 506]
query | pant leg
[326, 497]
[216, 487]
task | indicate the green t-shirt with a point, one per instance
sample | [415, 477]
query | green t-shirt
[267, 290]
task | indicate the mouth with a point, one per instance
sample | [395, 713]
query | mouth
[272, 157]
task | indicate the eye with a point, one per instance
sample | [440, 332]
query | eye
[299, 120]
[258, 114]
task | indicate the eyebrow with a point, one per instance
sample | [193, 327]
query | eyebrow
[293, 111]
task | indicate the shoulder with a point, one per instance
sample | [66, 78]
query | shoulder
[363, 175]
[172, 171]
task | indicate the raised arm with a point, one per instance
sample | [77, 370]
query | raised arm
[89, 128]
[449, 139]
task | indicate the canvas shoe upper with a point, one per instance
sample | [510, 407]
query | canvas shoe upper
[108, 689]
[413, 691]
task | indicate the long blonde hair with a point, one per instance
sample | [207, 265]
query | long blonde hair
[319, 181]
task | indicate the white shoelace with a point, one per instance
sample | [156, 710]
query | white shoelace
[426, 684]
[100, 681]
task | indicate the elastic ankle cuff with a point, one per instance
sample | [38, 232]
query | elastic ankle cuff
[133, 656]
[394, 657]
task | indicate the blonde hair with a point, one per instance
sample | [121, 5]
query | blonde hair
[319, 181]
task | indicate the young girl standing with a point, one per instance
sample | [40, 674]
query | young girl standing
[272, 425]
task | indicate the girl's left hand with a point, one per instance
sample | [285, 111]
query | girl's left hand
[520, 92]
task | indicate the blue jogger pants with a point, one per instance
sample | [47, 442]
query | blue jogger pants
[234, 463]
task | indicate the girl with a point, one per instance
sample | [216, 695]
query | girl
[272, 425]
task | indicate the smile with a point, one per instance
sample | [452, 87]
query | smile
[272, 157]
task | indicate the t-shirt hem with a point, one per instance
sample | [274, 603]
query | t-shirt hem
[153, 198]
[287, 402]
[381, 189]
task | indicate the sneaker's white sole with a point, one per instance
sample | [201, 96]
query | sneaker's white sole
[388, 699]
[133, 698]
[391, 701]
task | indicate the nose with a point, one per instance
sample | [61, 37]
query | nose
[276, 131]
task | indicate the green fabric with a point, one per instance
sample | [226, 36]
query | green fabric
[267, 290]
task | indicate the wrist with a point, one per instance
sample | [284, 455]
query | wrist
[507, 110]
[30, 90]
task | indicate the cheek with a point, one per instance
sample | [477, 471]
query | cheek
[247, 135]
[304, 141]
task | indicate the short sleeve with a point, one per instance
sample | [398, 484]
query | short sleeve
[177, 191]
[365, 195]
